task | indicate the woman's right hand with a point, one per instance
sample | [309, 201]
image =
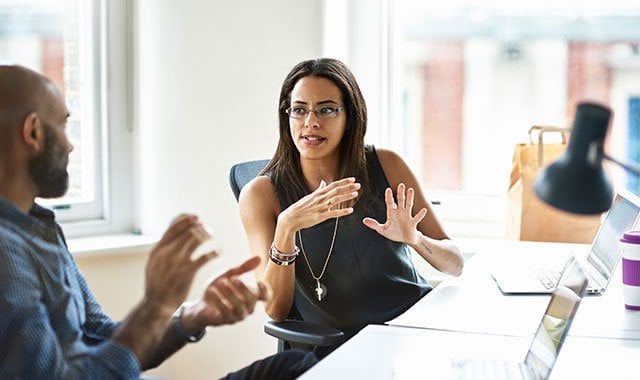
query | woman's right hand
[326, 202]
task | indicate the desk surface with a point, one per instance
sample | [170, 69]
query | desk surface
[399, 353]
[473, 302]
[468, 316]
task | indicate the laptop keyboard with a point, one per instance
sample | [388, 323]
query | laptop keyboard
[549, 277]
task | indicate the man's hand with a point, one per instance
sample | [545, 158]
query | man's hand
[169, 275]
[171, 269]
[226, 299]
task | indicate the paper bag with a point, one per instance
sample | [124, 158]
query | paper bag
[529, 218]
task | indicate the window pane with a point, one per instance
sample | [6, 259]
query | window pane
[476, 76]
[55, 38]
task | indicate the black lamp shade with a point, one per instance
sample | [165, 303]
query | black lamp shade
[577, 182]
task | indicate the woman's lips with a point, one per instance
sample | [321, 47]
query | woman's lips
[313, 139]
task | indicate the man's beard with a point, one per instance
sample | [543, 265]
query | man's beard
[48, 170]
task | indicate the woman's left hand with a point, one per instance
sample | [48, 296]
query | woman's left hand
[400, 226]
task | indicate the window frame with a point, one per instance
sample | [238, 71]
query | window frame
[377, 68]
[111, 66]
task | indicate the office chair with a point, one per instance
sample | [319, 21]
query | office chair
[292, 332]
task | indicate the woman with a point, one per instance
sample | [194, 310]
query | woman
[323, 211]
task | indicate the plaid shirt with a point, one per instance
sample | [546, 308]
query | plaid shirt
[51, 326]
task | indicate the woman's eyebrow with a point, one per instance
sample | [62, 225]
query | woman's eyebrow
[328, 101]
[320, 102]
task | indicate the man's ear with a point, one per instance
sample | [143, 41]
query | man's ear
[32, 132]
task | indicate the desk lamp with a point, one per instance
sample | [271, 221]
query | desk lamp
[576, 182]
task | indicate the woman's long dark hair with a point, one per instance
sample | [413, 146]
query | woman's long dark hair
[284, 167]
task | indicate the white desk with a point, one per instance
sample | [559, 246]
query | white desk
[469, 317]
[473, 302]
[400, 353]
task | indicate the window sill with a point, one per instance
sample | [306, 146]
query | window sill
[110, 244]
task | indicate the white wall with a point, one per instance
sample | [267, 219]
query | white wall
[206, 77]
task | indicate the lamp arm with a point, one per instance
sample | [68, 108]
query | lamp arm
[632, 168]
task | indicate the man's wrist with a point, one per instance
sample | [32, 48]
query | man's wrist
[179, 328]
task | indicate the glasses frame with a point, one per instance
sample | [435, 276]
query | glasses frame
[316, 111]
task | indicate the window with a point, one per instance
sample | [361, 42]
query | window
[71, 42]
[467, 79]
[54, 38]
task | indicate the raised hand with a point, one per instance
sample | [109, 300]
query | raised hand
[169, 275]
[401, 225]
[227, 299]
[323, 203]
[171, 268]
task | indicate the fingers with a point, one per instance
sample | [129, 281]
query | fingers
[205, 258]
[401, 196]
[338, 191]
[388, 199]
[179, 226]
[249, 265]
[373, 224]
[339, 212]
[405, 198]
[231, 300]
[185, 234]
[237, 297]
[409, 202]
[334, 200]
[420, 215]
[170, 268]
[408, 205]
[327, 201]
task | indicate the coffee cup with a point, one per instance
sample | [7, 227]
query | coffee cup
[631, 269]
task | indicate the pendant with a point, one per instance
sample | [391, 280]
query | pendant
[320, 290]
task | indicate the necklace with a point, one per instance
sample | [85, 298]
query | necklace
[320, 289]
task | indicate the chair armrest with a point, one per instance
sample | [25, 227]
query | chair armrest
[304, 332]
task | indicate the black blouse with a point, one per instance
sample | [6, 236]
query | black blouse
[368, 279]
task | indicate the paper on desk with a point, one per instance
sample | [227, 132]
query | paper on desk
[449, 307]
[411, 367]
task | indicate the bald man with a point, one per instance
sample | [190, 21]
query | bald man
[51, 326]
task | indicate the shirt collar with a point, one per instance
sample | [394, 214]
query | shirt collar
[38, 217]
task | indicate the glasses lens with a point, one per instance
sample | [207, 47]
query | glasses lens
[297, 112]
[326, 112]
[322, 112]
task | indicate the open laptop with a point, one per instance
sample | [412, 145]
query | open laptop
[547, 341]
[599, 265]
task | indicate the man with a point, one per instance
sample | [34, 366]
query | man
[50, 324]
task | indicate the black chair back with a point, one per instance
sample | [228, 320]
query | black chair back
[243, 172]
[293, 331]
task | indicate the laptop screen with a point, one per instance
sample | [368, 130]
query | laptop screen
[556, 320]
[606, 247]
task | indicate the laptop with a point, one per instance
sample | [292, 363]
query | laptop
[599, 265]
[547, 341]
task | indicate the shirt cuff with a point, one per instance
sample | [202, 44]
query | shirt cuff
[119, 359]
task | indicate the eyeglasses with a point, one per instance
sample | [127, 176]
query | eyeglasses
[321, 112]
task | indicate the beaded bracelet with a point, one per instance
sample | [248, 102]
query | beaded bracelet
[281, 263]
[281, 258]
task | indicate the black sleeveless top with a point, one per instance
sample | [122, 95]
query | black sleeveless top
[369, 279]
